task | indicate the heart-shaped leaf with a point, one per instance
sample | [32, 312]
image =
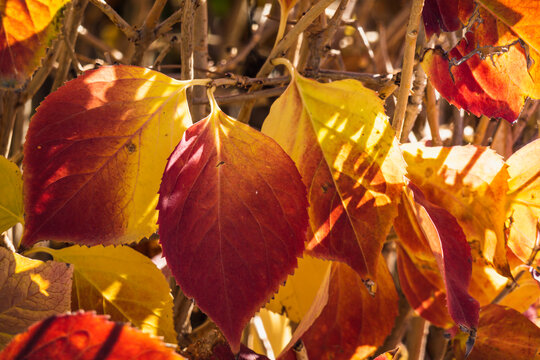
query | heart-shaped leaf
[11, 204]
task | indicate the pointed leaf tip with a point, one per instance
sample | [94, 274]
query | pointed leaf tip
[231, 203]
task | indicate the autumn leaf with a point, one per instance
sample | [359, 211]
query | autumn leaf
[354, 323]
[277, 332]
[445, 16]
[27, 29]
[470, 182]
[296, 297]
[503, 334]
[341, 141]
[11, 204]
[491, 75]
[85, 336]
[31, 290]
[519, 15]
[94, 155]
[421, 224]
[116, 281]
[523, 200]
[232, 204]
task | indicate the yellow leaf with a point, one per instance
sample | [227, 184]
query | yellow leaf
[523, 202]
[340, 139]
[30, 290]
[295, 298]
[11, 204]
[122, 283]
[470, 182]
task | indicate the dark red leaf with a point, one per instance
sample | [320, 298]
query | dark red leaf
[232, 219]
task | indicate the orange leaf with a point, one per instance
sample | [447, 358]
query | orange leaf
[233, 204]
[444, 16]
[470, 182]
[94, 155]
[353, 324]
[346, 152]
[504, 334]
[520, 15]
[27, 29]
[85, 336]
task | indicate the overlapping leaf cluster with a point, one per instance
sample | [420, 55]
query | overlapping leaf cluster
[113, 156]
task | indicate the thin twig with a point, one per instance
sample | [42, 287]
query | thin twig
[152, 18]
[481, 129]
[200, 56]
[166, 25]
[415, 101]
[432, 113]
[408, 65]
[416, 338]
[231, 99]
[115, 18]
[281, 47]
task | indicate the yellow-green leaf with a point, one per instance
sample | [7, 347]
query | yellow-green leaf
[11, 204]
[122, 283]
[30, 290]
[296, 297]
[340, 139]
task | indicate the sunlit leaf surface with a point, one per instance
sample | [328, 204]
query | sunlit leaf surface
[345, 149]
[27, 29]
[122, 283]
[470, 182]
[11, 204]
[95, 153]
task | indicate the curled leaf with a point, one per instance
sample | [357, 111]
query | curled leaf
[439, 232]
[233, 204]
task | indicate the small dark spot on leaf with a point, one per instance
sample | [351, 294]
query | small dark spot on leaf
[324, 187]
[220, 163]
[131, 147]
[428, 172]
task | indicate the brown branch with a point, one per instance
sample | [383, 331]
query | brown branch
[481, 129]
[115, 18]
[408, 64]
[432, 112]
[415, 101]
[200, 56]
[230, 99]
[282, 46]
[167, 24]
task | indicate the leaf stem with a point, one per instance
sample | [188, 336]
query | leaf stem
[281, 47]
[408, 65]
[115, 18]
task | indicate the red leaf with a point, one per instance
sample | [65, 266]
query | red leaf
[494, 86]
[84, 336]
[440, 230]
[444, 16]
[232, 219]
[223, 352]
[94, 155]
[353, 323]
